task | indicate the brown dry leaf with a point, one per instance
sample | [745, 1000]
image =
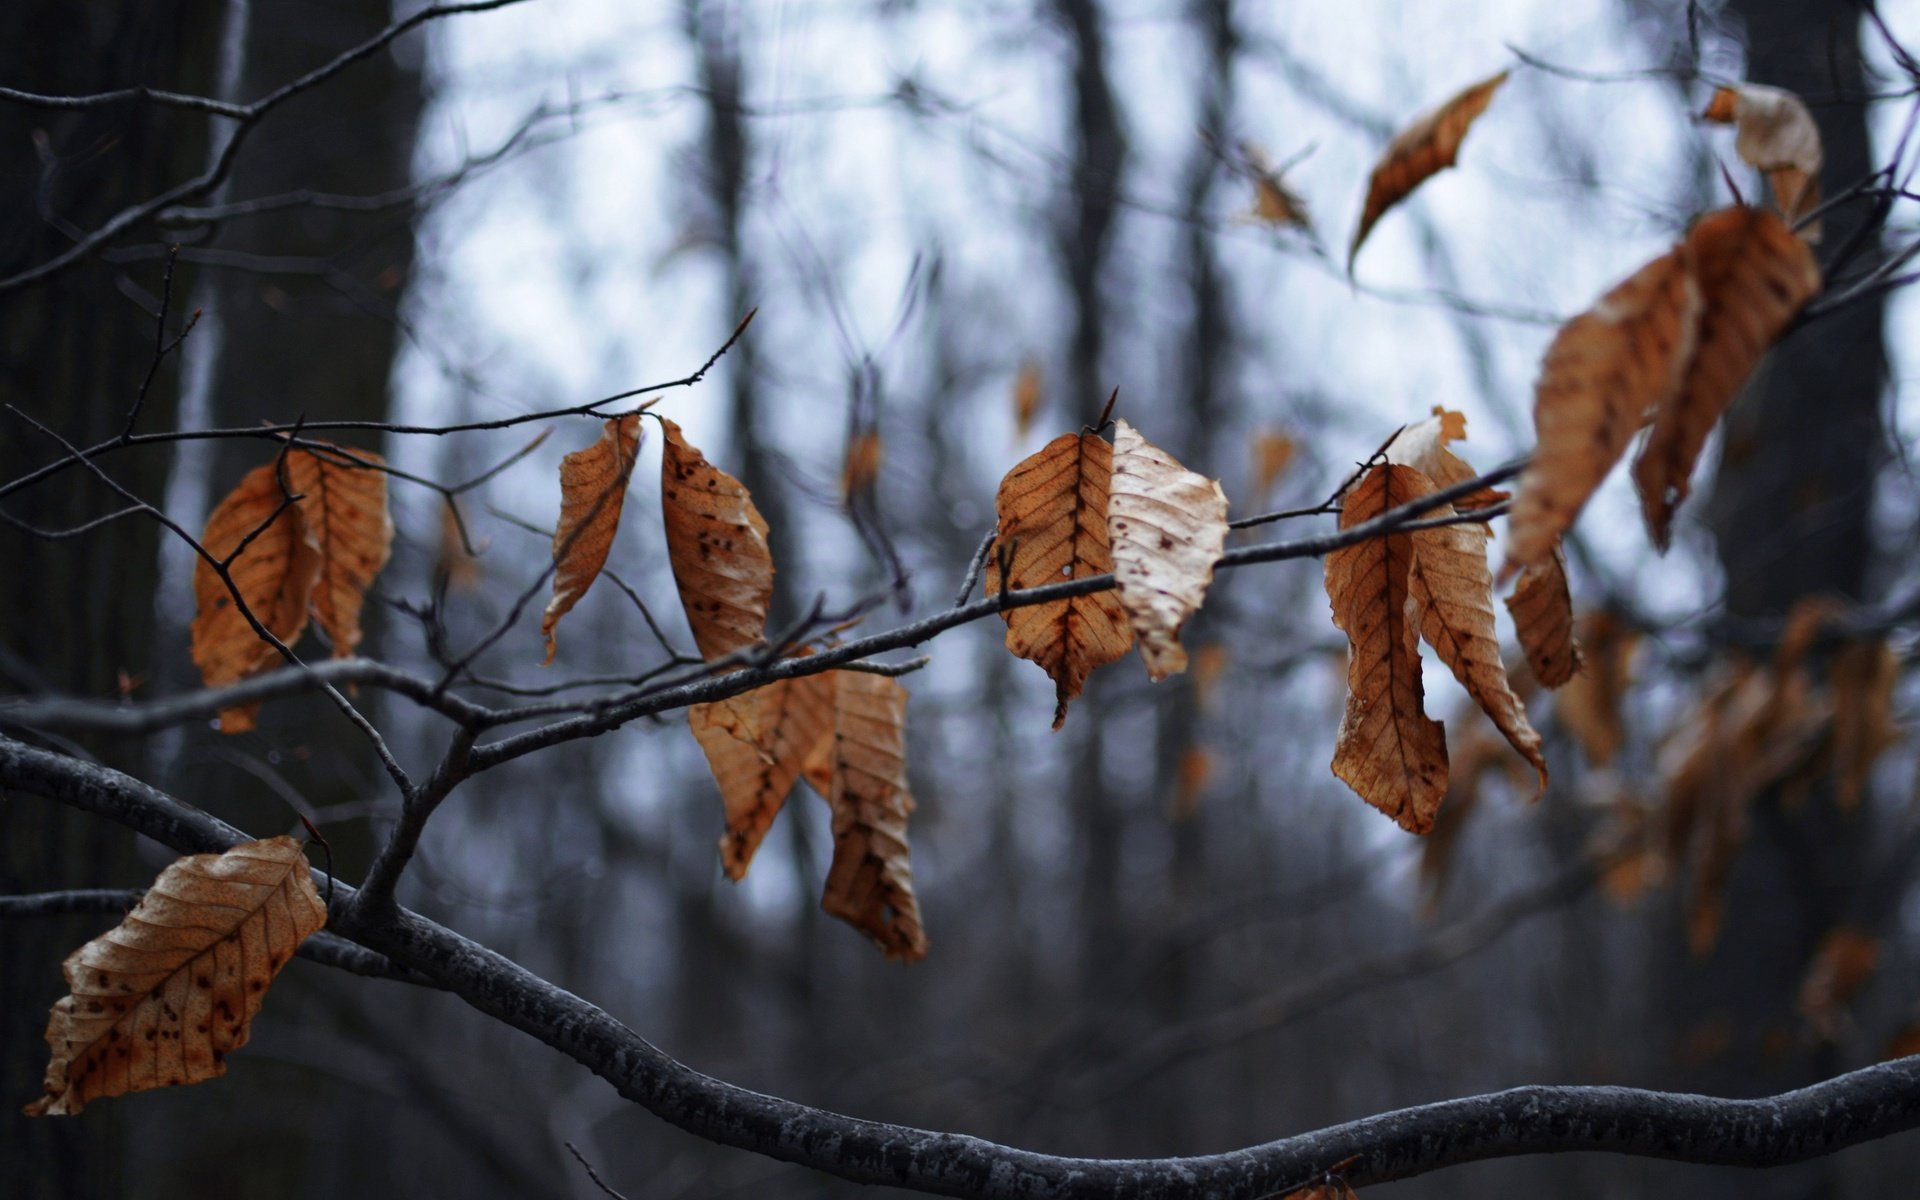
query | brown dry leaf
[1862, 678]
[593, 490]
[163, 997]
[1589, 703]
[717, 543]
[1026, 397]
[756, 746]
[1423, 446]
[1429, 145]
[861, 466]
[1196, 768]
[1542, 608]
[1167, 527]
[1841, 966]
[459, 566]
[1452, 588]
[1387, 750]
[1754, 276]
[870, 884]
[1272, 452]
[1606, 372]
[1053, 523]
[275, 576]
[1905, 1042]
[1778, 136]
[1274, 203]
[1209, 664]
[1326, 1189]
[345, 510]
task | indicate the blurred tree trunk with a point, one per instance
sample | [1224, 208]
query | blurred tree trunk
[1790, 513]
[73, 354]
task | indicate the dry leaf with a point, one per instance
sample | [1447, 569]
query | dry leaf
[756, 745]
[275, 576]
[1606, 372]
[1429, 145]
[870, 884]
[1862, 678]
[1326, 1189]
[1168, 527]
[1778, 136]
[1589, 703]
[1452, 588]
[1272, 452]
[717, 543]
[162, 998]
[1423, 446]
[1026, 397]
[1542, 608]
[1754, 276]
[1196, 768]
[1388, 750]
[1841, 966]
[345, 510]
[861, 467]
[1209, 664]
[1274, 203]
[459, 566]
[1053, 524]
[593, 490]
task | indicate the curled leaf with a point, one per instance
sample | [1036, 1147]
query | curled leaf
[1423, 446]
[1274, 202]
[870, 884]
[756, 746]
[1429, 145]
[1452, 589]
[165, 996]
[1026, 397]
[1542, 608]
[1778, 136]
[1754, 276]
[1272, 452]
[1167, 527]
[861, 466]
[344, 506]
[1053, 527]
[275, 564]
[1387, 750]
[717, 543]
[593, 490]
[1607, 371]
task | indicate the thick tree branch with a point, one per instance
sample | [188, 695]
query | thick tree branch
[1860, 1106]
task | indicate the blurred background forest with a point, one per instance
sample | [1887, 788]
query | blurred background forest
[1165, 928]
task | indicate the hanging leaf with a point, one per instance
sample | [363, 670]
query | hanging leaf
[1053, 526]
[1026, 397]
[1429, 145]
[1542, 608]
[1754, 276]
[165, 996]
[1423, 446]
[1168, 526]
[1778, 136]
[1274, 202]
[1272, 452]
[1196, 768]
[1607, 371]
[1589, 704]
[1862, 678]
[593, 490]
[1842, 964]
[344, 507]
[457, 564]
[1452, 589]
[274, 573]
[756, 746]
[717, 543]
[861, 466]
[1209, 664]
[1387, 750]
[870, 884]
